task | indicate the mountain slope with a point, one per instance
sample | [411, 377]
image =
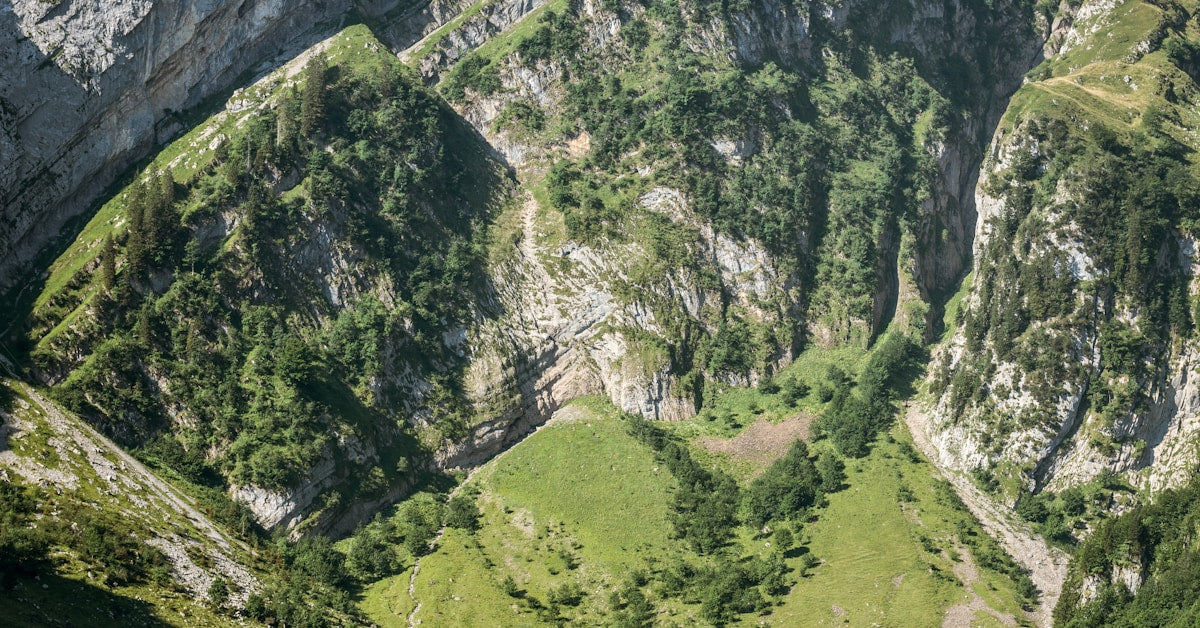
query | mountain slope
[274, 295]
[397, 253]
[90, 496]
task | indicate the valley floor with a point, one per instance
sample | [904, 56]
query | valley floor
[581, 506]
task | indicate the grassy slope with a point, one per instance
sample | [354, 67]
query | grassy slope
[579, 486]
[876, 566]
[1096, 81]
[355, 46]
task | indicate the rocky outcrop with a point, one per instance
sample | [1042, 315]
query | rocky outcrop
[565, 331]
[557, 319]
[90, 87]
[472, 32]
[74, 457]
[567, 325]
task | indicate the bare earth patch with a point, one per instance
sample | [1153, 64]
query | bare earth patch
[763, 442]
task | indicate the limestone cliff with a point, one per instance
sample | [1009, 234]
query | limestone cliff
[90, 87]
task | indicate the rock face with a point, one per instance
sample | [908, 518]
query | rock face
[1062, 373]
[560, 312]
[156, 511]
[89, 87]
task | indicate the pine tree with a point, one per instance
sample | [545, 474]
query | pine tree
[136, 245]
[144, 332]
[164, 220]
[312, 101]
[285, 125]
[108, 264]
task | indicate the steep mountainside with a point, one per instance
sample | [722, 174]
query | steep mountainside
[414, 231]
[1075, 358]
[89, 87]
[129, 545]
[270, 294]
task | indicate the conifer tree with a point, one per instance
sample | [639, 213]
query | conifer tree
[108, 264]
[135, 245]
[163, 220]
[144, 332]
[285, 125]
[312, 102]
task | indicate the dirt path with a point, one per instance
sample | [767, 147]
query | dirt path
[962, 614]
[1047, 565]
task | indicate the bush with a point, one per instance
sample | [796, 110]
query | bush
[462, 513]
[218, 592]
[371, 555]
[316, 558]
[795, 389]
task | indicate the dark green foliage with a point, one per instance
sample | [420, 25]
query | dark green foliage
[557, 37]
[832, 471]
[1159, 540]
[786, 489]
[727, 589]
[704, 509]
[522, 114]
[239, 331]
[461, 512]
[32, 520]
[312, 99]
[1073, 502]
[855, 416]
[1185, 54]
[569, 594]
[108, 263]
[165, 451]
[630, 607]
[153, 224]
[732, 349]
[588, 216]
[795, 389]
[218, 592]
[295, 598]
[419, 519]
[315, 558]
[371, 556]
[22, 547]
[727, 592]
[784, 539]
[1032, 508]
[636, 34]
[473, 72]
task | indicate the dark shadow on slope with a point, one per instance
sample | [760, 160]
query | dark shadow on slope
[51, 600]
